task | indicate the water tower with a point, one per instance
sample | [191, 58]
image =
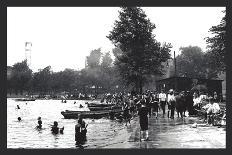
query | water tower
[28, 47]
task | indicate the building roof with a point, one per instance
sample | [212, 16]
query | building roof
[166, 79]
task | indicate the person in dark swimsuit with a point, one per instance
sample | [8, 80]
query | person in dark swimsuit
[80, 131]
[126, 114]
[55, 129]
[143, 119]
[39, 126]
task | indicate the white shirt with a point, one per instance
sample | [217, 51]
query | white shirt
[215, 107]
[196, 101]
[171, 97]
[162, 97]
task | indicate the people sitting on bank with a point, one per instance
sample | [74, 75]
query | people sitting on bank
[211, 109]
[143, 120]
[55, 128]
[39, 126]
[80, 130]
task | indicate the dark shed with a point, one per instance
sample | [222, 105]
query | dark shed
[185, 83]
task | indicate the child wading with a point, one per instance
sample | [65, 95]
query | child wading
[55, 129]
[80, 131]
[143, 120]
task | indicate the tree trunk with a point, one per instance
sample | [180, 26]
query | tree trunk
[137, 86]
[140, 86]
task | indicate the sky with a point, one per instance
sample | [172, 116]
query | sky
[62, 37]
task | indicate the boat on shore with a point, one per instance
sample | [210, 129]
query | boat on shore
[105, 108]
[89, 114]
[99, 105]
[25, 99]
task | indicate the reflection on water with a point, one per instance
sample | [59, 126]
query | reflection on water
[24, 134]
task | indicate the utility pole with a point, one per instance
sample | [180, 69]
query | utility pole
[175, 63]
[28, 46]
[175, 76]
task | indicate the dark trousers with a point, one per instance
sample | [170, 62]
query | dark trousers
[172, 109]
[172, 112]
[163, 104]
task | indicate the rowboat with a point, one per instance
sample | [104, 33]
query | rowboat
[104, 108]
[99, 105]
[25, 99]
[89, 114]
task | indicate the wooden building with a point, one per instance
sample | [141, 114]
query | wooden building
[186, 84]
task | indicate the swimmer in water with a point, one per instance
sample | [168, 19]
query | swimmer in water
[81, 106]
[55, 129]
[19, 119]
[39, 126]
[18, 107]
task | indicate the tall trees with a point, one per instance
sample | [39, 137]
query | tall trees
[21, 76]
[216, 46]
[106, 61]
[141, 54]
[191, 62]
[42, 80]
[194, 63]
[93, 60]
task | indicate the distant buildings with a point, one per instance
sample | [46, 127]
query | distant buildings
[186, 84]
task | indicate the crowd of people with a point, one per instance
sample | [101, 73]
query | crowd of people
[150, 103]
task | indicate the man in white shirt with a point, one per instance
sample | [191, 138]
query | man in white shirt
[162, 100]
[171, 103]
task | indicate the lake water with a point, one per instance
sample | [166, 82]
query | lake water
[24, 135]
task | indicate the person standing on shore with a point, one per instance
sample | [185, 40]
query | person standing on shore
[162, 100]
[126, 113]
[171, 103]
[143, 119]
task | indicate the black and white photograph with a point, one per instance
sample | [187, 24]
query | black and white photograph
[116, 77]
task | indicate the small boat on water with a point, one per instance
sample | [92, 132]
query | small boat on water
[104, 108]
[25, 99]
[89, 114]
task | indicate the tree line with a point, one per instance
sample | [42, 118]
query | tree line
[99, 75]
[139, 59]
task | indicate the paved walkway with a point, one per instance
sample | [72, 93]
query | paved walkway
[168, 133]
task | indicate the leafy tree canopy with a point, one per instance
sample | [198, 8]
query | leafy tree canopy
[216, 45]
[93, 60]
[140, 54]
